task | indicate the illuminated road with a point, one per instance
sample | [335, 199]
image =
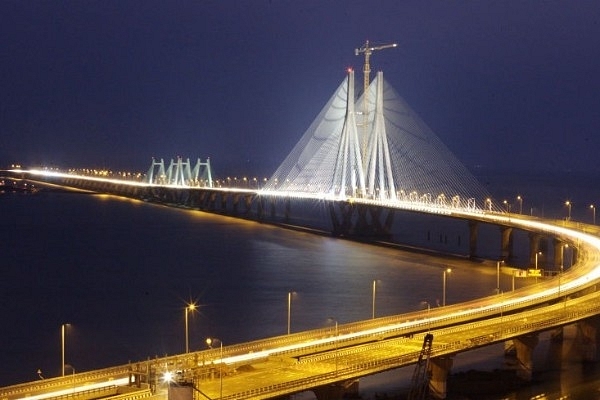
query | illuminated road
[289, 364]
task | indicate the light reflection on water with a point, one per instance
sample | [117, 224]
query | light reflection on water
[120, 273]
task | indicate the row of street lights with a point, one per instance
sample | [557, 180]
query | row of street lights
[192, 307]
[592, 207]
[210, 341]
[568, 204]
[374, 296]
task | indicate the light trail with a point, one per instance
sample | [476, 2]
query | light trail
[78, 389]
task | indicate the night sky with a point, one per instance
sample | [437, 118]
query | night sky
[507, 85]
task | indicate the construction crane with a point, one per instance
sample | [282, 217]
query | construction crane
[420, 381]
[368, 50]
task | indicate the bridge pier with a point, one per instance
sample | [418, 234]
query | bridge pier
[507, 242]
[558, 247]
[337, 390]
[440, 369]
[535, 241]
[587, 335]
[524, 346]
[473, 225]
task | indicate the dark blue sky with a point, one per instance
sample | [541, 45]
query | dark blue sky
[505, 84]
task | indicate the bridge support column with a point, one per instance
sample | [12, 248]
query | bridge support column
[570, 256]
[509, 348]
[587, 334]
[288, 210]
[440, 368]
[260, 207]
[557, 335]
[273, 206]
[524, 346]
[534, 246]
[473, 239]
[507, 243]
[559, 254]
[337, 390]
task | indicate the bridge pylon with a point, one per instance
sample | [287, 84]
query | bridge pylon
[180, 173]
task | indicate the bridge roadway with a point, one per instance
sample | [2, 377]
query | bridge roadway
[341, 354]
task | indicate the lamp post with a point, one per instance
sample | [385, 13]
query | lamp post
[507, 205]
[538, 253]
[498, 275]
[513, 281]
[374, 292]
[209, 342]
[560, 276]
[188, 308]
[568, 204]
[520, 200]
[446, 271]
[63, 327]
[593, 214]
[289, 313]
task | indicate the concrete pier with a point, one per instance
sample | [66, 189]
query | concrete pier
[524, 346]
[440, 369]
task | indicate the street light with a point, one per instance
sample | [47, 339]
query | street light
[507, 205]
[188, 308]
[62, 347]
[446, 271]
[374, 292]
[289, 313]
[568, 204]
[209, 342]
[520, 200]
[539, 253]
[593, 214]
[498, 275]
[559, 276]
